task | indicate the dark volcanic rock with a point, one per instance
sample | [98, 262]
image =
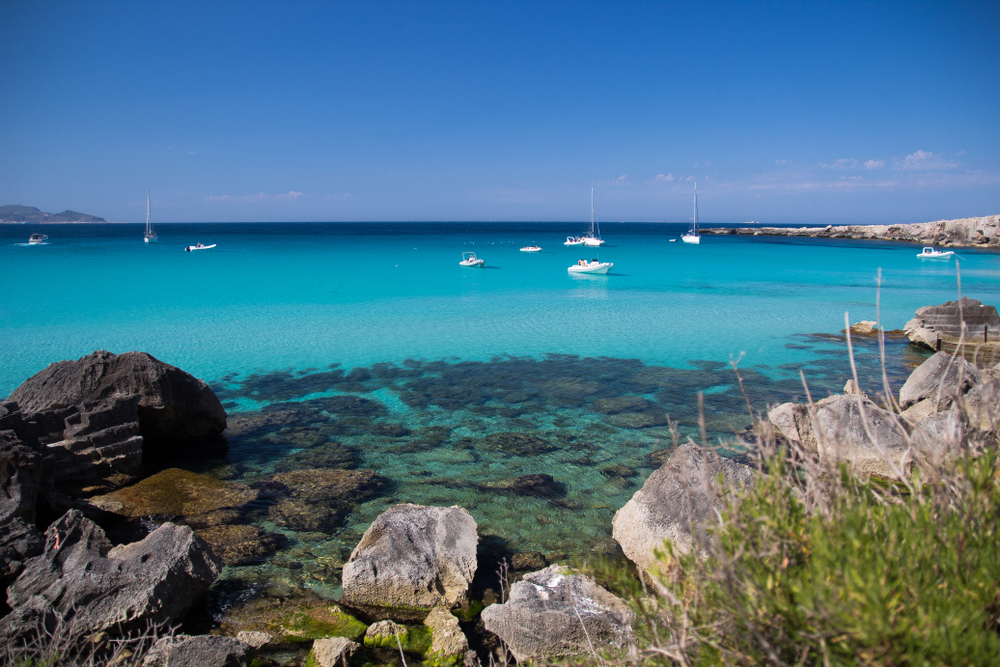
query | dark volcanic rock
[99, 588]
[20, 477]
[19, 541]
[175, 408]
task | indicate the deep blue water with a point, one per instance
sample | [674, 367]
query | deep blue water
[451, 360]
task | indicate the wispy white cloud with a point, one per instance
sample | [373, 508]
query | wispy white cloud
[291, 195]
[844, 163]
[781, 162]
[923, 161]
[669, 178]
[874, 164]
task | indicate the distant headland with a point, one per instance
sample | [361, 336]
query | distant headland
[967, 232]
[18, 215]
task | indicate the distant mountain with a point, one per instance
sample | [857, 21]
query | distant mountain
[16, 213]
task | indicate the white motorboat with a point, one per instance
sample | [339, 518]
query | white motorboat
[150, 236]
[36, 239]
[692, 236]
[593, 237]
[931, 253]
[593, 266]
[199, 246]
[470, 259]
[574, 240]
[531, 248]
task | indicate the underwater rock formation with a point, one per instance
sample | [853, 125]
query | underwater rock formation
[412, 559]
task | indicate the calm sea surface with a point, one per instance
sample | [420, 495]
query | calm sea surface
[379, 351]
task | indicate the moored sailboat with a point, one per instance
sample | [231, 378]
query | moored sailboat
[593, 237]
[692, 235]
[150, 236]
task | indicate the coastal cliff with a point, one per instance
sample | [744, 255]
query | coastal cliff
[981, 232]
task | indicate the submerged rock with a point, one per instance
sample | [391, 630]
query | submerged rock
[175, 492]
[675, 503]
[352, 486]
[517, 444]
[412, 559]
[540, 485]
[552, 613]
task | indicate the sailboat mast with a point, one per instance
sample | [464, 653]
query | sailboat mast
[147, 211]
[696, 206]
[591, 210]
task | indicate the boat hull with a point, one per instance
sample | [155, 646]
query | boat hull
[598, 268]
[691, 238]
[199, 247]
[593, 242]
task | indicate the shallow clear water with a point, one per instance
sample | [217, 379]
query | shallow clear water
[455, 364]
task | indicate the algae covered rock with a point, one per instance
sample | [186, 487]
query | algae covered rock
[175, 492]
[331, 652]
[292, 620]
[412, 559]
[448, 642]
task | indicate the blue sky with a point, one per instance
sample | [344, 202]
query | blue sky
[784, 112]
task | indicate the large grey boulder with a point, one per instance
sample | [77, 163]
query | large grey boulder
[412, 559]
[551, 613]
[675, 503]
[175, 408]
[97, 587]
[848, 428]
[941, 377]
[200, 651]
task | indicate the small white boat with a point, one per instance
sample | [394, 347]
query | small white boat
[930, 253]
[574, 240]
[198, 246]
[692, 236]
[36, 239]
[531, 248]
[470, 259]
[150, 236]
[593, 266]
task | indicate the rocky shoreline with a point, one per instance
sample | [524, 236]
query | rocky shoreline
[982, 232]
[81, 553]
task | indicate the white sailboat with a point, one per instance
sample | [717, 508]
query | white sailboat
[593, 237]
[692, 235]
[150, 236]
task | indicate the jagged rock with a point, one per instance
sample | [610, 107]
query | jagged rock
[850, 428]
[851, 387]
[412, 559]
[940, 376]
[175, 409]
[675, 503]
[99, 588]
[935, 326]
[19, 541]
[20, 478]
[551, 613]
[864, 328]
[175, 492]
[332, 652]
[982, 402]
[201, 650]
[448, 640]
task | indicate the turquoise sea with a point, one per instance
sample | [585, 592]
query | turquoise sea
[368, 346]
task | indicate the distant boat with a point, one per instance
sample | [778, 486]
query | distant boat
[37, 239]
[198, 246]
[574, 240]
[470, 259]
[150, 236]
[593, 237]
[930, 253]
[531, 248]
[692, 235]
[593, 266]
